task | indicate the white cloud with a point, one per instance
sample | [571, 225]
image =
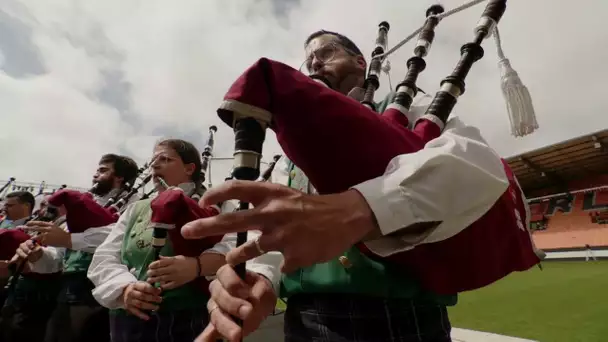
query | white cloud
[180, 57]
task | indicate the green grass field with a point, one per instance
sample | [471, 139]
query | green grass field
[566, 302]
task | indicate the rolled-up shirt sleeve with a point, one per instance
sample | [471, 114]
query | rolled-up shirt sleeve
[452, 182]
[90, 239]
[51, 261]
[109, 275]
[266, 265]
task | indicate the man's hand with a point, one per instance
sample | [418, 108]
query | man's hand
[141, 296]
[29, 251]
[251, 300]
[50, 234]
[172, 272]
[307, 229]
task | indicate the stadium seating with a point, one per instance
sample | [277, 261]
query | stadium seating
[572, 229]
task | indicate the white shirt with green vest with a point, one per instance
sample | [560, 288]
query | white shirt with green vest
[120, 260]
[413, 189]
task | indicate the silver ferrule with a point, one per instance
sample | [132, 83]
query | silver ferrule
[368, 106]
[405, 89]
[486, 26]
[158, 242]
[451, 89]
[422, 47]
[374, 72]
[320, 82]
[382, 39]
[244, 158]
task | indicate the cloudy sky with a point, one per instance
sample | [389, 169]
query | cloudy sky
[83, 78]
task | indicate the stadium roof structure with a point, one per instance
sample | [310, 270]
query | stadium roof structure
[555, 165]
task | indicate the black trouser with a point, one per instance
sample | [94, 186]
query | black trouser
[27, 309]
[79, 323]
[78, 317]
[352, 318]
[163, 326]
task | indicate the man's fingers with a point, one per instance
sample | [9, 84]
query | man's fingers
[235, 222]
[22, 254]
[232, 305]
[143, 305]
[249, 250]
[223, 323]
[210, 334]
[39, 229]
[164, 262]
[147, 288]
[248, 191]
[232, 283]
[142, 296]
[159, 272]
[159, 279]
[170, 285]
[38, 224]
[138, 313]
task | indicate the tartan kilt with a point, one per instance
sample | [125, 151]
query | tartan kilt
[354, 318]
[169, 326]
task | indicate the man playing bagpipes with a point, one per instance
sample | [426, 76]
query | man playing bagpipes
[31, 297]
[17, 208]
[151, 279]
[78, 316]
[378, 256]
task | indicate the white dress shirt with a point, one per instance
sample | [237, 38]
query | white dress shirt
[455, 180]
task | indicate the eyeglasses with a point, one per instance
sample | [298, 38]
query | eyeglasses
[162, 159]
[324, 54]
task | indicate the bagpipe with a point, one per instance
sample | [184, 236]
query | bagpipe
[321, 131]
[6, 185]
[207, 154]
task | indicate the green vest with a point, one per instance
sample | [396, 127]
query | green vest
[137, 254]
[76, 261]
[359, 274]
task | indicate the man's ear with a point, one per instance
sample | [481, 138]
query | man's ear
[361, 62]
[190, 169]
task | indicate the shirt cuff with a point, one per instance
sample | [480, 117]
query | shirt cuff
[387, 203]
[78, 242]
[49, 262]
[108, 294]
[267, 273]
